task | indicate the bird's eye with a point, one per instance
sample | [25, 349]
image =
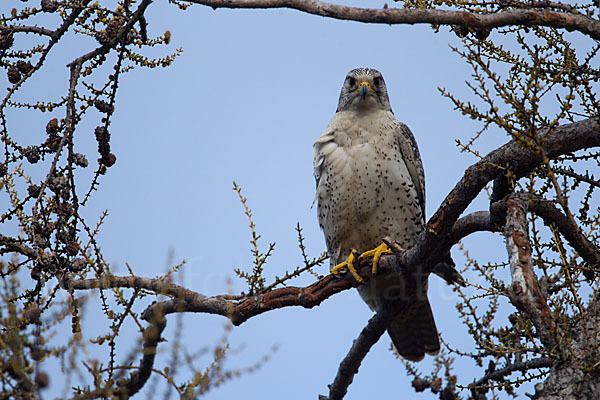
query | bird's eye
[377, 81]
[351, 81]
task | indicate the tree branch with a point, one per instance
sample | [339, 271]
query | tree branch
[561, 140]
[370, 335]
[394, 16]
[13, 245]
[137, 380]
[182, 297]
[27, 29]
[121, 35]
[445, 229]
[499, 374]
[185, 300]
[444, 226]
[524, 292]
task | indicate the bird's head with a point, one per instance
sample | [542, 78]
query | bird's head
[364, 88]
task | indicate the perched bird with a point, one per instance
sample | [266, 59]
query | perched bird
[370, 187]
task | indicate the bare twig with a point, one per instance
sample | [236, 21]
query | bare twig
[28, 29]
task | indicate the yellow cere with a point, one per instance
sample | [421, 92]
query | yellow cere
[363, 84]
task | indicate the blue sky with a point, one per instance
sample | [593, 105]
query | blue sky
[245, 101]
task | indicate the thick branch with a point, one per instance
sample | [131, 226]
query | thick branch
[393, 16]
[524, 292]
[185, 300]
[562, 140]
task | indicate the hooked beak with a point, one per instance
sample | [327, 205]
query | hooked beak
[364, 88]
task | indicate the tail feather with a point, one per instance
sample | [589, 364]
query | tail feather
[447, 271]
[414, 333]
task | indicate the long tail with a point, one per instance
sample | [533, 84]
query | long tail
[414, 333]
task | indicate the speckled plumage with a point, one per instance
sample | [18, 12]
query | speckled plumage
[370, 186]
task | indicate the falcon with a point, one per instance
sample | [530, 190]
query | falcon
[370, 187]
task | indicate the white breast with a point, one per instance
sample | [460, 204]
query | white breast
[364, 190]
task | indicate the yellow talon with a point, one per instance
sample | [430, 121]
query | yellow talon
[377, 252]
[349, 263]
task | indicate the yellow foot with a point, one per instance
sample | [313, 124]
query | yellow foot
[377, 252]
[349, 263]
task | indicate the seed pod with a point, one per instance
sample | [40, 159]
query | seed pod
[6, 40]
[13, 74]
[34, 190]
[24, 66]
[52, 126]
[49, 6]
